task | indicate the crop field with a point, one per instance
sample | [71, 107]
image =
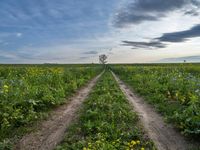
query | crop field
[174, 90]
[99, 75]
[26, 93]
[37, 103]
[106, 122]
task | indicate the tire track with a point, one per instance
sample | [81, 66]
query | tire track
[52, 131]
[163, 135]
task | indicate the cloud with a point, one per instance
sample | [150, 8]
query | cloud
[55, 53]
[181, 59]
[4, 55]
[173, 37]
[19, 34]
[150, 45]
[139, 11]
[192, 13]
[47, 22]
[10, 34]
[180, 36]
[84, 57]
[91, 52]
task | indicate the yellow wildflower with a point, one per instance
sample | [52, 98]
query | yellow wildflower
[142, 148]
[133, 142]
[89, 145]
[138, 142]
[5, 87]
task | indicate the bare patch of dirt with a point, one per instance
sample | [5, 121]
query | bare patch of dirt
[51, 131]
[162, 134]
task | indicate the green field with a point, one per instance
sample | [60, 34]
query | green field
[105, 121]
[28, 92]
[174, 90]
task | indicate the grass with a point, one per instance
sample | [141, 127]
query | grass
[172, 90]
[106, 122]
[28, 94]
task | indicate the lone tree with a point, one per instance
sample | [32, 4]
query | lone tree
[102, 59]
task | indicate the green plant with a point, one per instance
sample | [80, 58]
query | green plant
[106, 122]
[173, 89]
[27, 92]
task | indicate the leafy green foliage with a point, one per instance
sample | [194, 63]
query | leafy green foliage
[174, 90]
[106, 122]
[27, 92]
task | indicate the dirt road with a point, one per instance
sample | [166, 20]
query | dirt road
[52, 130]
[162, 134]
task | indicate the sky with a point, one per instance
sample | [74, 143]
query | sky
[78, 31]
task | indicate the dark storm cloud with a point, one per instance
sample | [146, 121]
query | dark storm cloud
[160, 42]
[151, 10]
[152, 44]
[192, 13]
[180, 36]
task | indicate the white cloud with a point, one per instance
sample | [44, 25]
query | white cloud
[8, 55]
[18, 34]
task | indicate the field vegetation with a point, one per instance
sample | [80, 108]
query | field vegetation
[173, 89]
[106, 122]
[28, 92]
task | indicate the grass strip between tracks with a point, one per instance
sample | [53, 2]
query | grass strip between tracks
[106, 122]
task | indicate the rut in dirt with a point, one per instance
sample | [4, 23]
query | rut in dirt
[162, 134]
[52, 131]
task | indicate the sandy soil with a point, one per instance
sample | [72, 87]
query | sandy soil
[162, 134]
[52, 131]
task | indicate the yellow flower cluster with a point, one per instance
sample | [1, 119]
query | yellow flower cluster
[133, 144]
[5, 88]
